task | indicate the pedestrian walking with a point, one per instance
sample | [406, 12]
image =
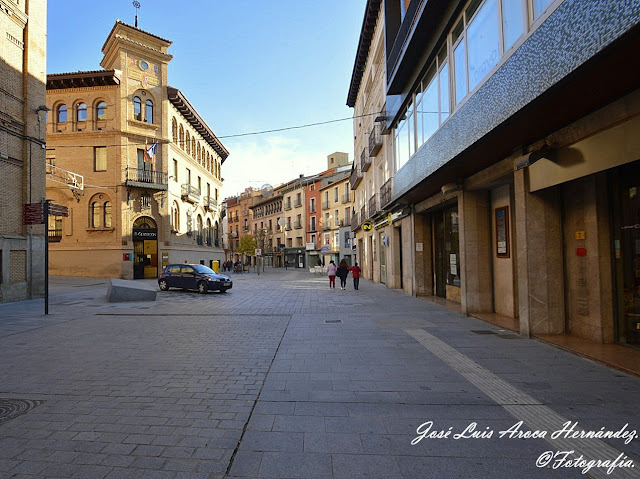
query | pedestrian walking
[342, 273]
[286, 265]
[355, 272]
[331, 272]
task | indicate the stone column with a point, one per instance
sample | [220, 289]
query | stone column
[475, 251]
[538, 230]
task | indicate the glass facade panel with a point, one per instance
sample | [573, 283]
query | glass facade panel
[137, 108]
[430, 109]
[81, 112]
[483, 42]
[540, 6]
[512, 26]
[444, 92]
[460, 67]
[101, 111]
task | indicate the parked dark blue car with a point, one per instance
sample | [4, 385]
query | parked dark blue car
[193, 276]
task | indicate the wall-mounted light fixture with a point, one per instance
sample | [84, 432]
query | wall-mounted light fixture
[544, 152]
[450, 188]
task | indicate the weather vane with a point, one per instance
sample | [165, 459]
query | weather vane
[136, 5]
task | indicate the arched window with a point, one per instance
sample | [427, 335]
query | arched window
[175, 216]
[188, 143]
[107, 214]
[193, 147]
[101, 110]
[61, 114]
[174, 130]
[208, 162]
[149, 112]
[181, 137]
[95, 214]
[208, 232]
[198, 152]
[216, 238]
[81, 112]
[199, 223]
[137, 108]
[204, 154]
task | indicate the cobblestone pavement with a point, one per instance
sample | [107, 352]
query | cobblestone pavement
[283, 378]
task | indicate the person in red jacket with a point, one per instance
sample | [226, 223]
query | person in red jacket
[355, 271]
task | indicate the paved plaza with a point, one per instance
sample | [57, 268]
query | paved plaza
[282, 377]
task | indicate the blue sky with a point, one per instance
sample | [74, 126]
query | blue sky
[246, 66]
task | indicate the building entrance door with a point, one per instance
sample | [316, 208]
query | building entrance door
[145, 248]
[383, 258]
[625, 186]
[446, 254]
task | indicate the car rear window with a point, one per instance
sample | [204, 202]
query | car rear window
[173, 269]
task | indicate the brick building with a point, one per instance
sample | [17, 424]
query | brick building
[149, 163]
[22, 139]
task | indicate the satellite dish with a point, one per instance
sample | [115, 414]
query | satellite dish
[266, 190]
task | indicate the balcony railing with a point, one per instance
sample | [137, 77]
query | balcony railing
[190, 193]
[345, 222]
[325, 205]
[365, 161]
[297, 203]
[385, 193]
[375, 140]
[373, 205]
[356, 176]
[346, 198]
[288, 227]
[297, 224]
[355, 222]
[55, 236]
[363, 213]
[210, 203]
[155, 180]
[287, 206]
[312, 208]
[326, 227]
[312, 227]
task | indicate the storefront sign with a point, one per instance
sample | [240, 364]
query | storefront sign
[367, 226]
[144, 234]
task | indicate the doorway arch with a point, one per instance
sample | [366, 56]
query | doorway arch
[145, 248]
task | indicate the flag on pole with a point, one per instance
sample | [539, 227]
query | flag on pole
[151, 152]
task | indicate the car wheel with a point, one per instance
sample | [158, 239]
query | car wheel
[202, 287]
[163, 285]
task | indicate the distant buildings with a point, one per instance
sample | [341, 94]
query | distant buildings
[22, 140]
[497, 159]
[149, 163]
[287, 220]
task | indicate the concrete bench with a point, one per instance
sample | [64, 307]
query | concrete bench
[120, 290]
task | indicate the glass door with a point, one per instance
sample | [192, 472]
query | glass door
[625, 186]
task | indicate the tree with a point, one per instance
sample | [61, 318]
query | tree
[247, 245]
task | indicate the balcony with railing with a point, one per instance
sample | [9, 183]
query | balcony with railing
[385, 193]
[346, 198]
[355, 222]
[287, 205]
[365, 161]
[325, 205]
[375, 140]
[190, 193]
[297, 203]
[288, 227]
[363, 213]
[297, 224]
[55, 235]
[141, 178]
[210, 203]
[374, 207]
[312, 227]
[312, 208]
[356, 176]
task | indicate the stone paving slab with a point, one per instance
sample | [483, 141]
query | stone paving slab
[256, 384]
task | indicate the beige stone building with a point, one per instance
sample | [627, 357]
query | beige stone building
[22, 140]
[335, 218]
[149, 165]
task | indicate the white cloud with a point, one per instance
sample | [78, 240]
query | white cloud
[274, 160]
